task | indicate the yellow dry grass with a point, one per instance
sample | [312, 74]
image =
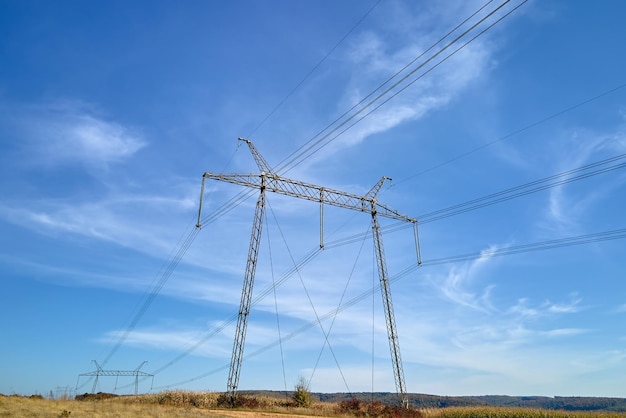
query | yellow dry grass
[177, 404]
[181, 404]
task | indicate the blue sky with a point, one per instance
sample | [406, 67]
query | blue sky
[110, 112]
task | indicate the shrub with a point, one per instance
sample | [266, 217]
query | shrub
[95, 396]
[374, 409]
[350, 406]
[302, 395]
[225, 400]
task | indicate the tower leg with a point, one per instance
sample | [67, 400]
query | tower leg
[392, 334]
[246, 296]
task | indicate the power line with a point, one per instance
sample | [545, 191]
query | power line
[211, 333]
[235, 201]
[167, 272]
[290, 161]
[504, 195]
[242, 196]
[611, 235]
[615, 234]
[258, 298]
[541, 184]
[384, 83]
[525, 189]
[306, 77]
[300, 154]
[153, 293]
[308, 149]
[516, 132]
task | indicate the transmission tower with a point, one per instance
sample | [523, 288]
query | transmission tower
[64, 392]
[117, 373]
[268, 180]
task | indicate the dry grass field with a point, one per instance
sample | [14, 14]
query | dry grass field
[165, 404]
[202, 404]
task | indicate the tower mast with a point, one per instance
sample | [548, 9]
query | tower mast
[268, 180]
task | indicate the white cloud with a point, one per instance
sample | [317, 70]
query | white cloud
[127, 220]
[481, 338]
[523, 310]
[571, 307]
[454, 289]
[456, 286]
[64, 138]
[564, 332]
[68, 132]
[92, 138]
[566, 206]
[378, 55]
[177, 340]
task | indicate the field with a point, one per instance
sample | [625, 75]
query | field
[204, 404]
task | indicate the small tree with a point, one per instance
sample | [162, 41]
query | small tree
[301, 394]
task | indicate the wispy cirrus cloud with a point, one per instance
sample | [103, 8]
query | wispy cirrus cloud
[87, 137]
[172, 337]
[66, 138]
[566, 205]
[457, 285]
[121, 219]
[497, 345]
[572, 306]
[422, 86]
[621, 308]
[70, 132]
[428, 94]
[523, 309]
[483, 334]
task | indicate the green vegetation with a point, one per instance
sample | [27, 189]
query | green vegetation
[374, 409]
[301, 395]
[510, 412]
[420, 401]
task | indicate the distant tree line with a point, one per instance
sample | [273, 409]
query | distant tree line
[567, 403]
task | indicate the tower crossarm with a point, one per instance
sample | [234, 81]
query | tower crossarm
[295, 188]
[116, 373]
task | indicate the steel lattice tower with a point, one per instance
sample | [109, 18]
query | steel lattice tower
[115, 373]
[268, 180]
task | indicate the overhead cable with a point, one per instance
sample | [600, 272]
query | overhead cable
[310, 150]
[511, 134]
[528, 188]
[305, 147]
[310, 73]
[342, 126]
[615, 234]
[491, 199]
[153, 293]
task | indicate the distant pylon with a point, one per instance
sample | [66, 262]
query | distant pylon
[117, 373]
